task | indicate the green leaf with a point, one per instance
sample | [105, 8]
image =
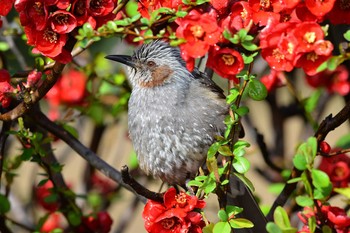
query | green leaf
[250, 58]
[208, 228]
[312, 101]
[222, 227]
[5, 205]
[300, 162]
[234, 93]
[241, 164]
[71, 130]
[304, 201]
[276, 188]
[332, 63]
[242, 111]
[131, 8]
[312, 223]
[246, 181]
[222, 215]
[74, 218]
[239, 147]
[249, 46]
[326, 229]
[294, 180]
[280, 217]
[320, 179]
[238, 223]
[343, 191]
[232, 210]
[347, 35]
[256, 90]
[213, 149]
[225, 150]
[4, 46]
[273, 228]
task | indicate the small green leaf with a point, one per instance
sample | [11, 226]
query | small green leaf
[246, 181]
[276, 188]
[5, 205]
[238, 223]
[343, 142]
[4, 46]
[242, 111]
[74, 218]
[249, 46]
[208, 228]
[332, 63]
[273, 228]
[312, 224]
[213, 149]
[234, 93]
[320, 179]
[222, 227]
[312, 101]
[300, 162]
[222, 215]
[304, 201]
[294, 180]
[71, 130]
[280, 217]
[256, 90]
[343, 191]
[225, 150]
[241, 164]
[232, 210]
[347, 35]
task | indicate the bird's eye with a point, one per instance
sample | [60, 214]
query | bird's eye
[151, 63]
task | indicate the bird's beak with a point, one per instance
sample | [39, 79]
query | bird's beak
[124, 59]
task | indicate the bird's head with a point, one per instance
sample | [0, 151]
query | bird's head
[153, 64]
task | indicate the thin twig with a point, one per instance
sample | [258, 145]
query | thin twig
[91, 157]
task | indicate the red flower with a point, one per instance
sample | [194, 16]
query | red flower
[319, 8]
[336, 81]
[306, 35]
[53, 221]
[33, 78]
[145, 7]
[100, 222]
[41, 193]
[100, 7]
[176, 214]
[273, 80]
[6, 6]
[337, 168]
[5, 88]
[310, 62]
[33, 13]
[62, 22]
[200, 32]
[337, 216]
[226, 62]
[80, 11]
[240, 17]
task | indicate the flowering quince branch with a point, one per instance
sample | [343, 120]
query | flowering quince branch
[93, 159]
[327, 125]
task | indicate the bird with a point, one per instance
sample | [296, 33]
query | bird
[173, 114]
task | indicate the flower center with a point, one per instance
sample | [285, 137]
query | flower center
[38, 6]
[276, 53]
[265, 5]
[244, 14]
[168, 223]
[339, 172]
[311, 56]
[197, 31]
[310, 37]
[228, 59]
[181, 199]
[61, 18]
[80, 8]
[50, 36]
[344, 4]
[97, 4]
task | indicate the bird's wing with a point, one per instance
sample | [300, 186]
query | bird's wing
[206, 81]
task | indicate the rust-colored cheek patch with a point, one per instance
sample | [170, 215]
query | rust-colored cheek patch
[159, 75]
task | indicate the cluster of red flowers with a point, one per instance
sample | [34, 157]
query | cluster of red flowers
[176, 214]
[48, 22]
[335, 218]
[70, 89]
[337, 168]
[291, 35]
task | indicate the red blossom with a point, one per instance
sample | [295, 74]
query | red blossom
[240, 17]
[33, 13]
[273, 80]
[310, 62]
[33, 78]
[200, 32]
[336, 81]
[53, 221]
[42, 192]
[6, 6]
[306, 35]
[100, 7]
[337, 216]
[226, 62]
[176, 214]
[337, 168]
[62, 22]
[319, 8]
[5, 88]
[100, 222]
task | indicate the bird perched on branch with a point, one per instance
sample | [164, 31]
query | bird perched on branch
[173, 115]
[173, 118]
